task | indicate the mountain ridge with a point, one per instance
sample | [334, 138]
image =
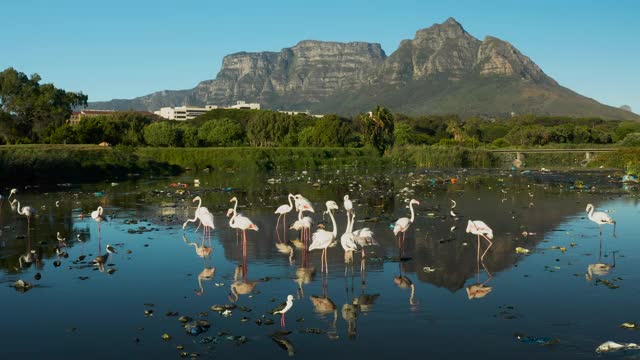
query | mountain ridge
[443, 69]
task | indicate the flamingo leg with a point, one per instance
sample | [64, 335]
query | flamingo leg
[490, 245]
[284, 227]
[278, 227]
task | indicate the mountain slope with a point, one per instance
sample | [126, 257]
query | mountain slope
[443, 69]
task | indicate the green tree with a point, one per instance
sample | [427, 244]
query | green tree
[163, 134]
[403, 134]
[377, 128]
[223, 132]
[37, 108]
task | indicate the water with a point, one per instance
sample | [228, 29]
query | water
[76, 309]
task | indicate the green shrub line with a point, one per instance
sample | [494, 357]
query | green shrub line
[92, 162]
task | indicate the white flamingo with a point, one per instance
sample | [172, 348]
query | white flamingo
[322, 239]
[27, 211]
[283, 210]
[600, 218]
[302, 204]
[97, 216]
[303, 224]
[61, 240]
[348, 204]
[243, 223]
[203, 215]
[347, 239]
[403, 223]
[363, 237]
[478, 227]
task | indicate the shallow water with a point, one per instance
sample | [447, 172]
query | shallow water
[77, 309]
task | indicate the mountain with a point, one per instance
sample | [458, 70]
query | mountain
[443, 69]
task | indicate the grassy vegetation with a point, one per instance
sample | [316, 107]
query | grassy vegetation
[77, 162]
[90, 162]
[263, 158]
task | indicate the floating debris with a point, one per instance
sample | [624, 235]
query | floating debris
[166, 337]
[610, 346]
[629, 325]
[22, 286]
[521, 250]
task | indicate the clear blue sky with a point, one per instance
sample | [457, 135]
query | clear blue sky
[123, 49]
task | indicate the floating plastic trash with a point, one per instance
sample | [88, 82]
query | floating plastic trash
[521, 250]
[614, 346]
[99, 193]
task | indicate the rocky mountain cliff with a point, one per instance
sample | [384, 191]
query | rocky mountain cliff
[443, 69]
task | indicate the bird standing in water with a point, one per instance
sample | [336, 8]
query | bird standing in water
[479, 228]
[286, 308]
[600, 218]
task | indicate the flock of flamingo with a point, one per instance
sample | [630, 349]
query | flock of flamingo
[352, 241]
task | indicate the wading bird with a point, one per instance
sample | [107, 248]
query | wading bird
[322, 239]
[243, 223]
[283, 210]
[27, 211]
[204, 215]
[402, 224]
[600, 218]
[286, 308]
[61, 240]
[347, 241]
[348, 204]
[97, 216]
[478, 227]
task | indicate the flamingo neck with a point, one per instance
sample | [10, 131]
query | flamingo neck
[19, 211]
[232, 221]
[290, 203]
[333, 222]
[412, 213]
[590, 212]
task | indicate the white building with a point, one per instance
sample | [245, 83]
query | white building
[244, 105]
[183, 113]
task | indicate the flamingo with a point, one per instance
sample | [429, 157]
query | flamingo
[97, 216]
[283, 210]
[403, 223]
[348, 241]
[243, 223]
[302, 204]
[600, 218]
[479, 228]
[204, 215]
[27, 211]
[12, 193]
[286, 308]
[348, 205]
[322, 239]
[363, 237]
[303, 224]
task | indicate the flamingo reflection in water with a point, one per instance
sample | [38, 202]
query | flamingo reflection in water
[202, 250]
[206, 274]
[600, 268]
[480, 290]
[240, 285]
[323, 305]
